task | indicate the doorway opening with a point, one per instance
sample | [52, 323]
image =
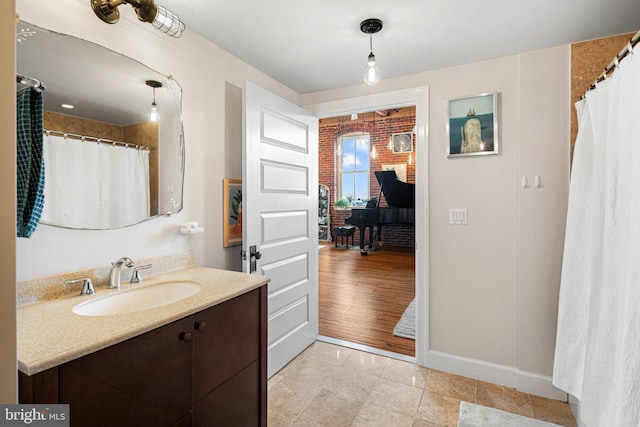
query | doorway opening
[366, 260]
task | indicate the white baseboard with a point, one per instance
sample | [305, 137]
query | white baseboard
[574, 404]
[508, 376]
[540, 385]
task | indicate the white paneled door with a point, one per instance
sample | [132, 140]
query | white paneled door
[280, 211]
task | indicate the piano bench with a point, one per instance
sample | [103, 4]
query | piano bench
[343, 231]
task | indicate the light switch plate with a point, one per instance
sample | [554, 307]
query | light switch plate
[453, 216]
[458, 216]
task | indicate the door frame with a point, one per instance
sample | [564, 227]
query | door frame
[418, 96]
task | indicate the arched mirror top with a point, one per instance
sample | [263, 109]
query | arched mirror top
[112, 97]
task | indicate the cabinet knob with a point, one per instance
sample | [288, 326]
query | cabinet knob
[201, 326]
[185, 336]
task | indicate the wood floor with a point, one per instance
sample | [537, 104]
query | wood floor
[363, 297]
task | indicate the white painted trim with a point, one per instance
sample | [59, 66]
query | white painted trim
[473, 368]
[508, 376]
[540, 385]
[368, 349]
[361, 104]
[574, 404]
[419, 97]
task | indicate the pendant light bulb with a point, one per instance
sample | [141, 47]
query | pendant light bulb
[154, 116]
[153, 112]
[371, 73]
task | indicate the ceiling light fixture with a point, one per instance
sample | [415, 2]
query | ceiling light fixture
[153, 112]
[147, 11]
[371, 73]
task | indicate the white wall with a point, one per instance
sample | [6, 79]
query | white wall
[202, 69]
[494, 282]
[544, 151]
[8, 365]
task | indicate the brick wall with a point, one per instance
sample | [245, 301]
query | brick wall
[380, 130]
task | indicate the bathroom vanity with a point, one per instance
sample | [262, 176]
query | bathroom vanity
[200, 361]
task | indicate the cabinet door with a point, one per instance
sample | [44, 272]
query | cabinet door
[144, 381]
[229, 342]
[235, 403]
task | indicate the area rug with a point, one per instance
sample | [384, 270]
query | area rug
[480, 416]
[406, 327]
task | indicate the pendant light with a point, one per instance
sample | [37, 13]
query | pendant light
[371, 73]
[153, 111]
[373, 154]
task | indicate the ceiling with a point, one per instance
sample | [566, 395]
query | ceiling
[101, 84]
[317, 45]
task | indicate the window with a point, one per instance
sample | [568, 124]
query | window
[353, 167]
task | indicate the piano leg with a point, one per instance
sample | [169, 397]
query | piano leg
[362, 230]
[362, 249]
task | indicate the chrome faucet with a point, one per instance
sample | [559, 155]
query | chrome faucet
[114, 274]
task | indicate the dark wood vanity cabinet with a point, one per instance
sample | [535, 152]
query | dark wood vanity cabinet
[232, 351]
[208, 369]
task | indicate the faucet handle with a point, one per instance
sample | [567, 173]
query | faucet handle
[136, 277]
[87, 285]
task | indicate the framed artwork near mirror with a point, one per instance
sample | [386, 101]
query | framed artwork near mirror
[400, 170]
[472, 125]
[232, 212]
[402, 142]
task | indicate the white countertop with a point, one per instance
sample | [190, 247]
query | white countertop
[50, 334]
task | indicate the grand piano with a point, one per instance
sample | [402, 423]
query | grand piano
[400, 198]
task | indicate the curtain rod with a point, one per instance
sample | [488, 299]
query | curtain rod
[628, 49]
[37, 84]
[85, 138]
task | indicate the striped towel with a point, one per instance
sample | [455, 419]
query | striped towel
[29, 161]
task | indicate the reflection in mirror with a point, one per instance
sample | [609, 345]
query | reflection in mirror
[107, 164]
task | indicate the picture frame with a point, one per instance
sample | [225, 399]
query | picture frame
[232, 212]
[472, 125]
[400, 169]
[402, 142]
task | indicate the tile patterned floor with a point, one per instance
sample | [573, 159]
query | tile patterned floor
[332, 386]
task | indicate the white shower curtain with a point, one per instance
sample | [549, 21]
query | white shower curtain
[89, 185]
[597, 356]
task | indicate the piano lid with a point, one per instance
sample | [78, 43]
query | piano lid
[398, 194]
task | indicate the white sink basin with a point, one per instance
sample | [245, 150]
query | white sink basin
[138, 299]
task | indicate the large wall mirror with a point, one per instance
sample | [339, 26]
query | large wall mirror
[108, 163]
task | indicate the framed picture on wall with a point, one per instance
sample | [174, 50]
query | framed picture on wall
[402, 142]
[232, 212]
[472, 125]
[400, 169]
